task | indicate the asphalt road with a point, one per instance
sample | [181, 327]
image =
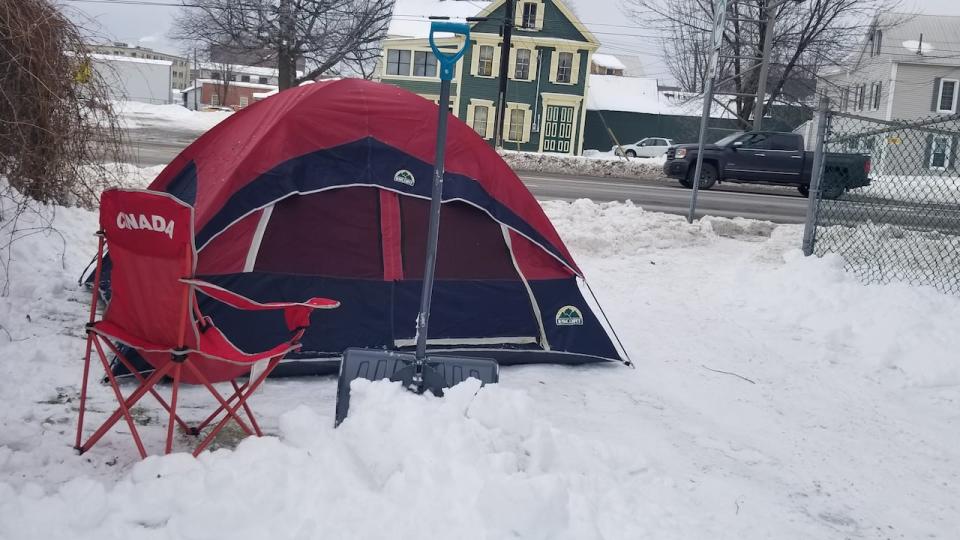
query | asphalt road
[153, 146]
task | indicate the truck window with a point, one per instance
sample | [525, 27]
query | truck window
[755, 140]
[784, 142]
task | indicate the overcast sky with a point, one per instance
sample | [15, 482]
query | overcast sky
[148, 25]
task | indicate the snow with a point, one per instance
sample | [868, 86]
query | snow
[130, 59]
[134, 114]
[913, 45]
[629, 94]
[608, 61]
[774, 397]
[592, 163]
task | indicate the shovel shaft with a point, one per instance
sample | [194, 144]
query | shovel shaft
[433, 231]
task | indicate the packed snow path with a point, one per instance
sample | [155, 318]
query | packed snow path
[774, 397]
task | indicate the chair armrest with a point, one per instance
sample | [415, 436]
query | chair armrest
[297, 314]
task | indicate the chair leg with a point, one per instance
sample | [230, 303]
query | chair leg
[238, 391]
[130, 401]
[213, 416]
[121, 401]
[232, 410]
[173, 407]
[126, 363]
[83, 389]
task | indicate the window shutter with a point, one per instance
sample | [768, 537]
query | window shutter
[929, 153]
[491, 114]
[527, 121]
[518, 14]
[534, 65]
[470, 108]
[496, 61]
[475, 57]
[554, 54]
[512, 67]
[540, 9]
[934, 105]
[575, 69]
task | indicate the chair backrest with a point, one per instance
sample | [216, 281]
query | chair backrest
[149, 237]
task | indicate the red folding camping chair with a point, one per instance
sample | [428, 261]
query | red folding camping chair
[153, 309]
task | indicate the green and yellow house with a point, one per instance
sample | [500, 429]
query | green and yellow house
[549, 69]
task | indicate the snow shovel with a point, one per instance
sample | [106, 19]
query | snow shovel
[418, 372]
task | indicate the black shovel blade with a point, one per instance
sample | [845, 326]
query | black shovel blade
[439, 372]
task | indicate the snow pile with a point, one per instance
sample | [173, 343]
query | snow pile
[608, 61]
[597, 165]
[909, 188]
[135, 115]
[774, 397]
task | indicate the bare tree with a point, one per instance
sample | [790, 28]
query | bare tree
[224, 78]
[808, 35]
[325, 33]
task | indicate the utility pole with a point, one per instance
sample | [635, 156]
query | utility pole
[769, 15]
[196, 76]
[716, 40]
[507, 31]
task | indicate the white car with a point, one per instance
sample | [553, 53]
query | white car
[649, 147]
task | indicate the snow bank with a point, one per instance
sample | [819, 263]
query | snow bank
[598, 164]
[774, 397]
[134, 115]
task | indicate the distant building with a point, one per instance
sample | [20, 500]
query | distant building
[237, 73]
[606, 64]
[224, 54]
[211, 93]
[135, 79]
[179, 66]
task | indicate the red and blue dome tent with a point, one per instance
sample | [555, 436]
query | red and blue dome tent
[323, 190]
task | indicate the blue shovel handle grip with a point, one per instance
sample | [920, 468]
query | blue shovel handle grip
[448, 60]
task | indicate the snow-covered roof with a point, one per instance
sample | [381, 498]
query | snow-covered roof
[232, 83]
[243, 70]
[608, 61]
[629, 94]
[119, 58]
[410, 17]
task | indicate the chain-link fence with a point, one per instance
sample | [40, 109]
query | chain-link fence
[888, 198]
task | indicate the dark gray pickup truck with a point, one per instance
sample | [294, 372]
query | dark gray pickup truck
[766, 157]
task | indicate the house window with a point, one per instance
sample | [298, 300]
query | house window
[215, 99]
[522, 69]
[263, 80]
[424, 64]
[515, 132]
[398, 62]
[485, 61]
[215, 75]
[876, 43]
[860, 101]
[947, 96]
[939, 152]
[244, 101]
[529, 15]
[844, 99]
[875, 96]
[480, 115]
[564, 67]
[244, 78]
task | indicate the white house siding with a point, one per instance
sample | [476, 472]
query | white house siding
[915, 89]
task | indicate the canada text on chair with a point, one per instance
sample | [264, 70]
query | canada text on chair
[153, 309]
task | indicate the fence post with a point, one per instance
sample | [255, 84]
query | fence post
[816, 175]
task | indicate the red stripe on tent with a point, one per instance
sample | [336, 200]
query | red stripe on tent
[227, 253]
[534, 262]
[390, 236]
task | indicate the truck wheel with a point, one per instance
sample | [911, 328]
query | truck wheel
[804, 190]
[833, 192]
[708, 177]
[631, 153]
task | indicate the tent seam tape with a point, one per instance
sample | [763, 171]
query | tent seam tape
[533, 299]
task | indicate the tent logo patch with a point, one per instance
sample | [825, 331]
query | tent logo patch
[404, 177]
[569, 316]
[143, 223]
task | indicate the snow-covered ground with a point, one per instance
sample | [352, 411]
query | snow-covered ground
[592, 163]
[135, 115]
[774, 397]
